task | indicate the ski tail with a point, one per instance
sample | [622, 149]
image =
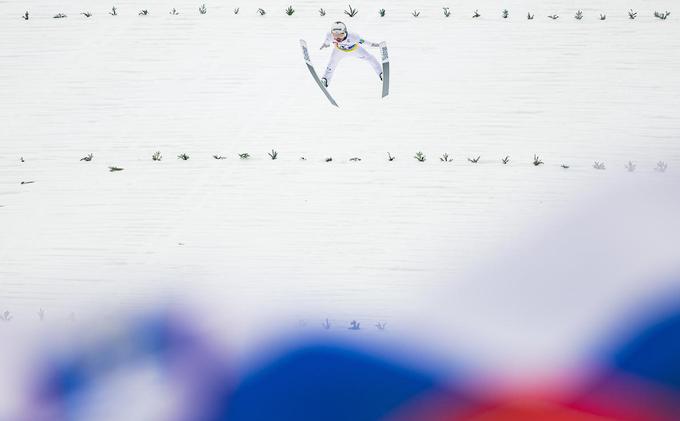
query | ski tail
[305, 52]
[308, 61]
[386, 69]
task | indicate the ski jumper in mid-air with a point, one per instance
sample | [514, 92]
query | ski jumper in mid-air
[347, 44]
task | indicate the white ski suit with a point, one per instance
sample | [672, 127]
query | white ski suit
[352, 45]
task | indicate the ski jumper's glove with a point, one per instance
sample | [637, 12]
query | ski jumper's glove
[324, 45]
[367, 42]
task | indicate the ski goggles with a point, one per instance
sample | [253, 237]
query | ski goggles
[338, 34]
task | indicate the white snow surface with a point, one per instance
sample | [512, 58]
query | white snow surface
[444, 249]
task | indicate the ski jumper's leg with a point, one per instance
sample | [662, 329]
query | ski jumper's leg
[336, 56]
[363, 54]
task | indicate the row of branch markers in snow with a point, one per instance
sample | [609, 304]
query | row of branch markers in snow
[505, 14]
[630, 166]
[7, 316]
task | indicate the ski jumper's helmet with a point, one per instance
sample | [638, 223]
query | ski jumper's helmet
[339, 28]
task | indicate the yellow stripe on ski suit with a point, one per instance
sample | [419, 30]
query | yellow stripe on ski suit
[354, 47]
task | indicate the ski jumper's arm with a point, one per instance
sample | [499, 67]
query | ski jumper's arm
[361, 40]
[326, 42]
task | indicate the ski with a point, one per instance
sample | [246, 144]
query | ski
[386, 69]
[308, 61]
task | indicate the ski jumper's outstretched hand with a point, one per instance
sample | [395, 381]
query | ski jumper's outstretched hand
[324, 45]
[369, 43]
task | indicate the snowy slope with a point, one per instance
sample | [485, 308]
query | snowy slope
[370, 240]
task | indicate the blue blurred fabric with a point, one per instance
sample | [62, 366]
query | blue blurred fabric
[319, 382]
